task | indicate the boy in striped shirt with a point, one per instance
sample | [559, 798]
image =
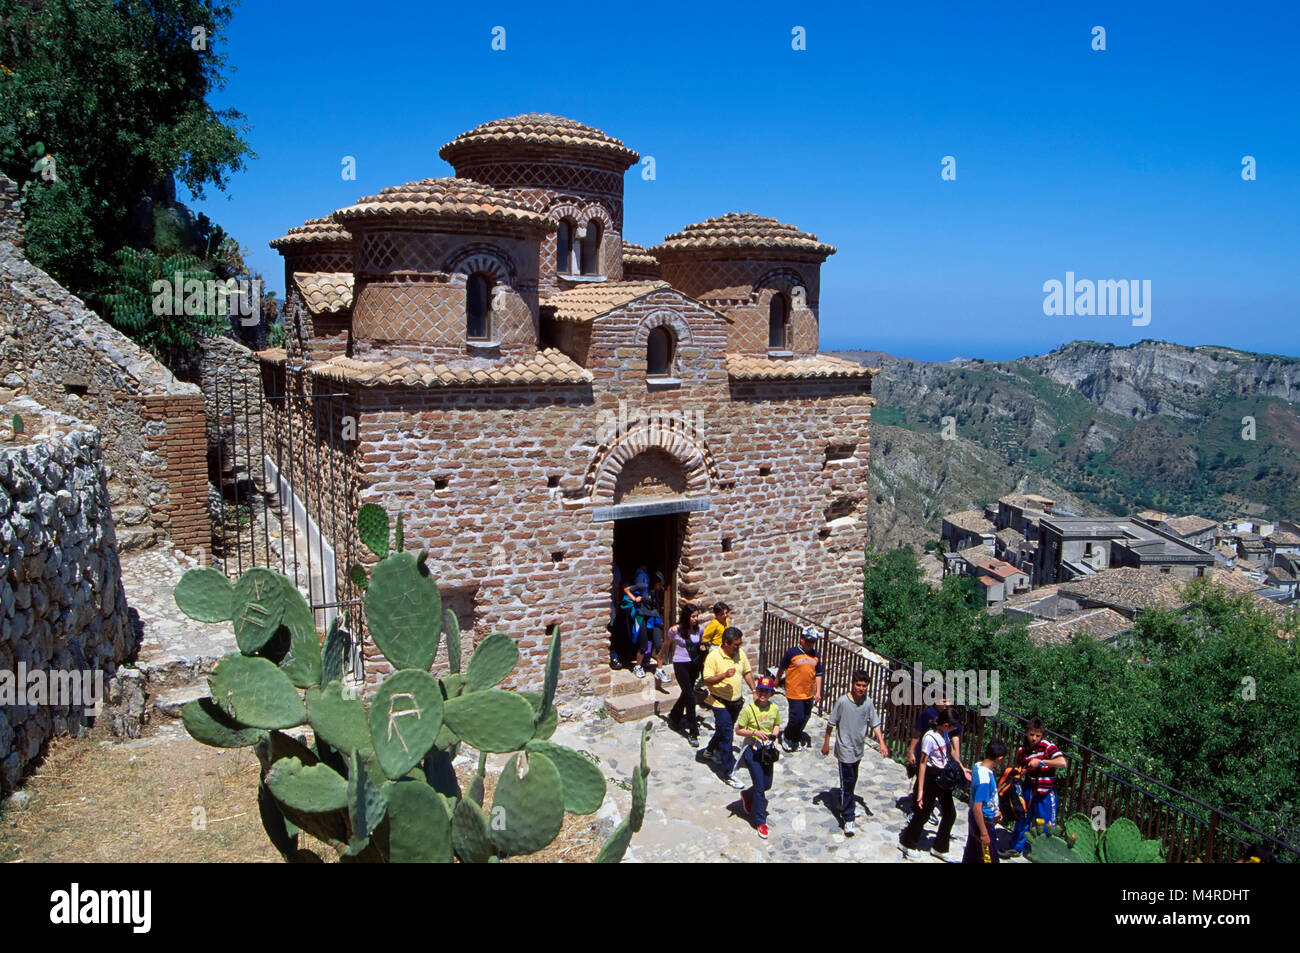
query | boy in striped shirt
[1039, 760]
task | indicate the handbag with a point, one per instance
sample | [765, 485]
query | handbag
[951, 777]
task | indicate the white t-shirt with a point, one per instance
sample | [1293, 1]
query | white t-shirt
[935, 748]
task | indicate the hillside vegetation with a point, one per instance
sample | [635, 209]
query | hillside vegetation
[1102, 428]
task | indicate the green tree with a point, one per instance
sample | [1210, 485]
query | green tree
[115, 91]
[163, 302]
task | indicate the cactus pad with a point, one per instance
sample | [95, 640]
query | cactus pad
[1079, 827]
[366, 803]
[358, 576]
[315, 789]
[527, 811]
[254, 692]
[451, 628]
[302, 662]
[284, 836]
[340, 720]
[333, 652]
[492, 661]
[491, 720]
[584, 784]
[405, 717]
[207, 723]
[419, 827]
[637, 815]
[205, 595]
[1120, 842]
[257, 608]
[546, 727]
[470, 838]
[552, 674]
[613, 850]
[1051, 850]
[404, 612]
[372, 527]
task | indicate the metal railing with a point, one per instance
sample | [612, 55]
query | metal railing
[1190, 829]
[277, 462]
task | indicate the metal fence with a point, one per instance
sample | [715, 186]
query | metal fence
[281, 480]
[1190, 829]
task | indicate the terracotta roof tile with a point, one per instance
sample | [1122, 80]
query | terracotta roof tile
[324, 292]
[586, 302]
[970, 520]
[741, 367]
[314, 230]
[1127, 588]
[634, 254]
[546, 367]
[444, 198]
[537, 129]
[741, 230]
[1283, 538]
[1100, 624]
[1188, 525]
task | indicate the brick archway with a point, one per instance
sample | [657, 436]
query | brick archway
[663, 318]
[670, 435]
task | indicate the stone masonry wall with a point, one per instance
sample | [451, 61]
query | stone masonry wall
[63, 606]
[58, 352]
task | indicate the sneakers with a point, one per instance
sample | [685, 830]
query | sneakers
[710, 755]
[662, 676]
[762, 831]
[850, 828]
[614, 661]
[638, 671]
[693, 740]
[1007, 853]
[735, 782]
[786, 746]
[941, 854]
[745, 802]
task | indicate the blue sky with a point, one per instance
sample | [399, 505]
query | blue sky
[1116, 164]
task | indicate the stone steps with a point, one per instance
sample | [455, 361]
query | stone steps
[632, 698]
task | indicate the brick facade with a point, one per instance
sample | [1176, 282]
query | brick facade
[521, 490]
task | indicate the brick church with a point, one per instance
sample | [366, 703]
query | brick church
[544, 400]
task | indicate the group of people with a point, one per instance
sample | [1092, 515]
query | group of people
[710, 660]
[636, 622]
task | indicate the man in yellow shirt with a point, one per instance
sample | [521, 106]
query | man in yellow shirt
[726, 672]
[720, 623]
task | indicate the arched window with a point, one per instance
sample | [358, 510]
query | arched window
[564, 247]
[659, 348]
[591, 249]
[779, 336]
[478, 308]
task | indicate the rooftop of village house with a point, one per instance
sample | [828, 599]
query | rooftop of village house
[970, 520]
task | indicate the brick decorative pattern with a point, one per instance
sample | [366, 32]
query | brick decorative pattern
[411, 290]
[742, 288]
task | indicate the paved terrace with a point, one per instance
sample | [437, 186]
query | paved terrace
[693, 817]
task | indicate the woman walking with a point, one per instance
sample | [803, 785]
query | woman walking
[683, 641]
[759, 722]
[936, 752]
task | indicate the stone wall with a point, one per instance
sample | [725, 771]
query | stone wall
[57, 351]
[64, 609]
[11, 219]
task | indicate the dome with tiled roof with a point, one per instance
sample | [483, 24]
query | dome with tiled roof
[443, 198]
[741, 230]
[314, 230]
[537, 129]
[632, 252]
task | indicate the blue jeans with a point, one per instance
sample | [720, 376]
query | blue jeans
[761, 778]
[724, 720]
[1037, 806]
[848, 781]
[800, 712]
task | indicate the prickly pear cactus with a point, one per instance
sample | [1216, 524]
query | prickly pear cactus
[1121, 843]
[378, 782]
